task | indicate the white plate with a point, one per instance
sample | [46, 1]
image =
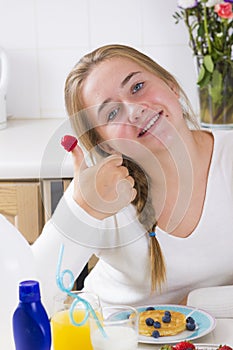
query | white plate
[204, 321]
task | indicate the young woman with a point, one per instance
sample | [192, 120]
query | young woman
[156, 204]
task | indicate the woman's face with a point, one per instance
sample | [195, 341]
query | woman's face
[133, 109]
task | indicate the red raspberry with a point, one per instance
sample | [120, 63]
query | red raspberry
[225, 347]
[69, 142]
[184, 345]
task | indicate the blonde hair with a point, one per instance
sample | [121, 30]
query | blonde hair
[89, 137]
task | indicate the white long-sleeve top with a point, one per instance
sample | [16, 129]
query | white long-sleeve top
[122, 274]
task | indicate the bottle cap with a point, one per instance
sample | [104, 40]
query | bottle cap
[29, 291]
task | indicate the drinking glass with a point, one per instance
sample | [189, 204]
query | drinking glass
[65, 334]
[120, 325]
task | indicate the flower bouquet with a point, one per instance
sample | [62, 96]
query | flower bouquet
[210, 28]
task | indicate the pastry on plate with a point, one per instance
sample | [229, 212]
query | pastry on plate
[165, 322]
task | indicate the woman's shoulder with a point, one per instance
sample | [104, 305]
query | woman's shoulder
[223, 137]
[223, 149]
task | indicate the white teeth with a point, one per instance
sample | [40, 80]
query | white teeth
[150, 124]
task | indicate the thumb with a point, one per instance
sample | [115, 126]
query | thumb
[70, 144]
[78, 159]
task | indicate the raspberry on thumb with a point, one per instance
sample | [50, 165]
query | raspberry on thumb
[69, 142]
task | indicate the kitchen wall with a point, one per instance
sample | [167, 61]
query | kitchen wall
[44, 39]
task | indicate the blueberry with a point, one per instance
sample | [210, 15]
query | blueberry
[155, 334]
[150, 308]
[167, 313]
[157, 324]
[190, 326]
[190, 320]
[149, 321]
[166, 319]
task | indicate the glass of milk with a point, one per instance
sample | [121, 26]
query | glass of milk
[120, 324]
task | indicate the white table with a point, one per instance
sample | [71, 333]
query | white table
[222, 334]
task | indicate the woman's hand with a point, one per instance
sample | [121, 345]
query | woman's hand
[103, 189]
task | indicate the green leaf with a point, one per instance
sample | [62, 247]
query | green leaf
[217, 79]
[201, 74]
[216, 87]
[205, 80]
[208, 62]
[166, 347]
[201, 30]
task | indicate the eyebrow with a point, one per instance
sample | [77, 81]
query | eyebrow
[127, 79]
[123, 83]
[103, 104]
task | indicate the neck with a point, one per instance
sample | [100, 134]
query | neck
[176, 172]
[175, 160]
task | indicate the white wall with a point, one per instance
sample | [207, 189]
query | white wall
[44, 39]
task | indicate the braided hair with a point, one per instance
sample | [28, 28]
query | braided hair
[146, 216]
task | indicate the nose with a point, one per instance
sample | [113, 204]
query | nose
[135, 112]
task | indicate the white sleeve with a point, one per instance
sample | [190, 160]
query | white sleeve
[82, 235]
[55, 233]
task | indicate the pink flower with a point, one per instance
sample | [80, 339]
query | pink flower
[224, 10]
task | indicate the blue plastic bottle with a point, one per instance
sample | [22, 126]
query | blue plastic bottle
[31, 326]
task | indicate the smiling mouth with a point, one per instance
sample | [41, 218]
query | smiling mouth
[151, 122]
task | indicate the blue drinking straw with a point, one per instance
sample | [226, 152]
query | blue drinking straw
[88, 308]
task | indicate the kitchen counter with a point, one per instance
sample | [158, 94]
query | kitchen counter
[30, 149]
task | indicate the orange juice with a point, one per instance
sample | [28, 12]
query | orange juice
[66, 336]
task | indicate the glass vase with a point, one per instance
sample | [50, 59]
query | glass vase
[215, 94]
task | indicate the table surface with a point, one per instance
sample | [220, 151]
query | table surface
[222, 334]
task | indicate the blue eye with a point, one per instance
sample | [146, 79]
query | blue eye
[137, 87]
[113, 114]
